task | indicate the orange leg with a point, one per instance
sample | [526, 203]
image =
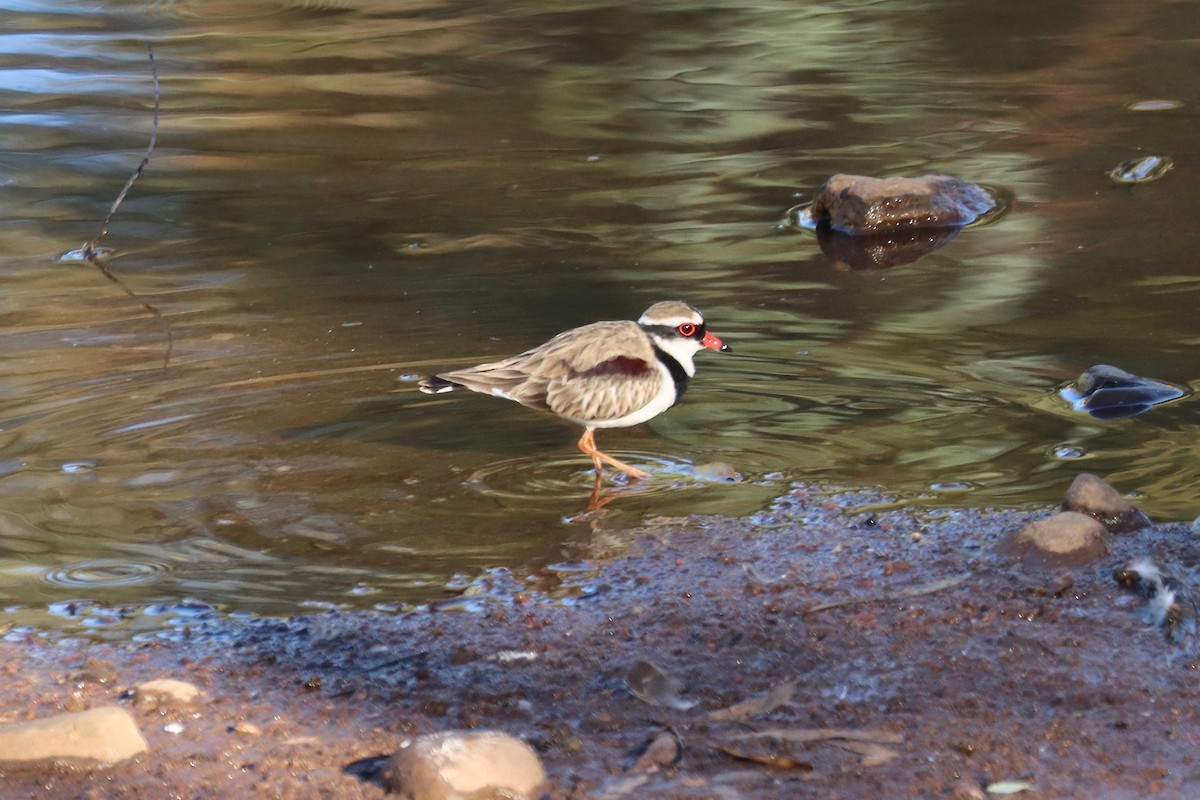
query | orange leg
[587, 443]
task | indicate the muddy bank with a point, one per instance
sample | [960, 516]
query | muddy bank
[959, 668]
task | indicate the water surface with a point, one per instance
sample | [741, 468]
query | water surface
[346, 195]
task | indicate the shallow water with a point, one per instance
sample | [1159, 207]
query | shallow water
[345, 196]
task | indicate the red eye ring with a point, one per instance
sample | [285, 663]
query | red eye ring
[686, 329]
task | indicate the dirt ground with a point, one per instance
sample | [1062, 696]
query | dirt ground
[936, 668]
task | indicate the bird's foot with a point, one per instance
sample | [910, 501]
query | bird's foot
[632, 472]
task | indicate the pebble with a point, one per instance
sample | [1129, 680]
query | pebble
[247, 728]
[165, 692]
[462, 765]
[97, 737]
[1067, 538]
[1092, 495]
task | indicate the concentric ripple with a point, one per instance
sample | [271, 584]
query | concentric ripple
[101, 573]
[531, 479]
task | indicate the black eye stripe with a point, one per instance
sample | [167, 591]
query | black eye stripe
[668, 331]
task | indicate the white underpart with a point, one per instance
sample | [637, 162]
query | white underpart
[678, 347]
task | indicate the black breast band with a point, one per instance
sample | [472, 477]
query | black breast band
[678, 374]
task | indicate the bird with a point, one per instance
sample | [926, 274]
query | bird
[610, 374]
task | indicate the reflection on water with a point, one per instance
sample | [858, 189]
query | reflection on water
[346, 195]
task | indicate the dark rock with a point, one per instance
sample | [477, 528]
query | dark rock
[1108, 392]
[465, 765]
[1065, 539]
[1092, 495]
[858, 205]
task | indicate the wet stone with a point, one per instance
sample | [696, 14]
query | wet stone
[1141, 170]
[1092, 495]
[465, 765]
[857, 204]
[1108, 392]
[98, 737]
[1067, 538]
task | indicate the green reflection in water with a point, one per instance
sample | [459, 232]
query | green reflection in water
[348, 194]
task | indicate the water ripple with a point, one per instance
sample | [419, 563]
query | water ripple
[102, 573]
[538, 479]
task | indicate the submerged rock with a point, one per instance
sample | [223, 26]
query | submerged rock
[1108, 392]
[858, 205]
[1141, 170]
[1065, 539]
[98, 737]
[465, 765]
[1092, 495]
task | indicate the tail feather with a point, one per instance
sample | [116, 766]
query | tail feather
[435, 384]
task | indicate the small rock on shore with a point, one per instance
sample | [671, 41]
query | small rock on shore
[97, 737]
[463, 765]
[1092, 495]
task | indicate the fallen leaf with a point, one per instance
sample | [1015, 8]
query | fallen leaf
[821, 734]
[771, 757]
[903, 594]
[762, 704]
[873, 755]
[780, 747]
[650, 684]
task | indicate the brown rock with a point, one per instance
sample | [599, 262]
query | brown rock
[165, 692]
[1067, 538]
[857, 204]
[465, 765]
[1092, 495]
[100, 736]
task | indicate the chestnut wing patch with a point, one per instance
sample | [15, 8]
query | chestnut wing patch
[621, 365]
[610, 390]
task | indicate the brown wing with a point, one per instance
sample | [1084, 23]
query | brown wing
[596, 372]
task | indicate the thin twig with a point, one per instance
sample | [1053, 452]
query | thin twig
[90, 252]
[903, 594]
[89, 249]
